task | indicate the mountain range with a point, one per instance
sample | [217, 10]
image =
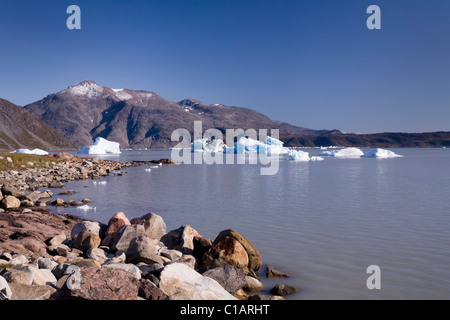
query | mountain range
[142, 119]
[138, 119]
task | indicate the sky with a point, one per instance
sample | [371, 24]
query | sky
[311, 63]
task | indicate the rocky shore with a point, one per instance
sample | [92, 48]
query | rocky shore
[44, 255]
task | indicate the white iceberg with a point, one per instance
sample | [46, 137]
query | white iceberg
[381, 153]
[343, 153]
[317, 158]
[204, 145]
[298, 155]
[34, 151]
[101, 146]
[249, 145]
[87, 208]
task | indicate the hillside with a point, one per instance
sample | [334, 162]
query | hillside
[19, 129]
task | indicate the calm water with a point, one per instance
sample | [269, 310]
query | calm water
[323, 222]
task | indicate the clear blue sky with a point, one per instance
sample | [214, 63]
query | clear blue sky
[310, 63]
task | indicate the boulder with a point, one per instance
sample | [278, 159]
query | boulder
[33, 196]
[252, 284]
[10, 202]
[121, 239]
[181, 282]
[97, 254]
[46, 263]
[86, 235]
[143, 249]
[254, 258]
[100, 284]
[31, 292]
[283, 290]
[230, 278]
[154, 225]
[149, 291]
[131, 268]
[271, 272]
[181, 239]
[226, 251]
[18, 276]
[260, 296]
[114, 224]
[5, 290]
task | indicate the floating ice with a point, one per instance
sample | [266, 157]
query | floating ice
[381, 153]
[87, 208]
[204, 145]
[34, 151]
[148, 170]
[317, 159]
[249, 145]
[100, 182]
[101, 146]
[298, 155]
[344, 153]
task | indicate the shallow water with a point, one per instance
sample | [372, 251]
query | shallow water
[323, 222]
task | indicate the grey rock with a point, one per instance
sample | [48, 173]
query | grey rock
[283, 290]
[154, 225]
[229, 277]
[122, 238]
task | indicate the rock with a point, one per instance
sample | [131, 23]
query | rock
[8, 190]
[241, 294]
[66, 193]
[283, 290]
[43, 277]
[173, 255]
[154, 268]
[97, 254]
[86, 235]
[18, 259]
[143, 249]
[188, 260]
[226, 251]
[260, 296]
[254, 258]
[183, 283]
[149, 291]
[56, 185]
[252, 284]
[100, 284]
[114, 224]
[86, 263]
[181, 239]
[121, 239]
[10, 202]
[131, 268]
[230, 278]
[201, 244]
[9, 159]
[154, 225]
[86, 200]
[27, 204]
[18, 276]
[33, 196]
[46, 263]
[31, 292]
[5, 290]
[57, 240]
[271, 272]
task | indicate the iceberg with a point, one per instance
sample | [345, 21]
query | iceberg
[317, 159]
[249, 145]
[381, 153]
[34, 151]
[101, 146]
[297, 155]
[343, 153]
[204, 145]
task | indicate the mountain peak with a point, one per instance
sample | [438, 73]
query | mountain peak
[86, 88]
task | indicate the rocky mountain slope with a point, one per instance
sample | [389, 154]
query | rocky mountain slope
[19, 129]
[141, 119]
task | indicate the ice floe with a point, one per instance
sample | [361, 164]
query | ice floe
[101, 146]
[343, 153]
[298, 155]
[34, 151]
[381, 153]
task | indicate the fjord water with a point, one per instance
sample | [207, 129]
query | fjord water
[323, 222]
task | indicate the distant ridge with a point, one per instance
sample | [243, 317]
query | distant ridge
[141, 119]
[19, 129]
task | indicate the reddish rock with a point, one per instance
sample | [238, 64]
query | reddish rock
[149, 291]
[226, 251]
[100, 284]
[114, 224]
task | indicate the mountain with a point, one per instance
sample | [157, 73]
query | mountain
[19, 129]
[142, 119]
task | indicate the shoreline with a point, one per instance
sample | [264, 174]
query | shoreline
[64, 255]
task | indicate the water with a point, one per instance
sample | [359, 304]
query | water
[323, 222]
